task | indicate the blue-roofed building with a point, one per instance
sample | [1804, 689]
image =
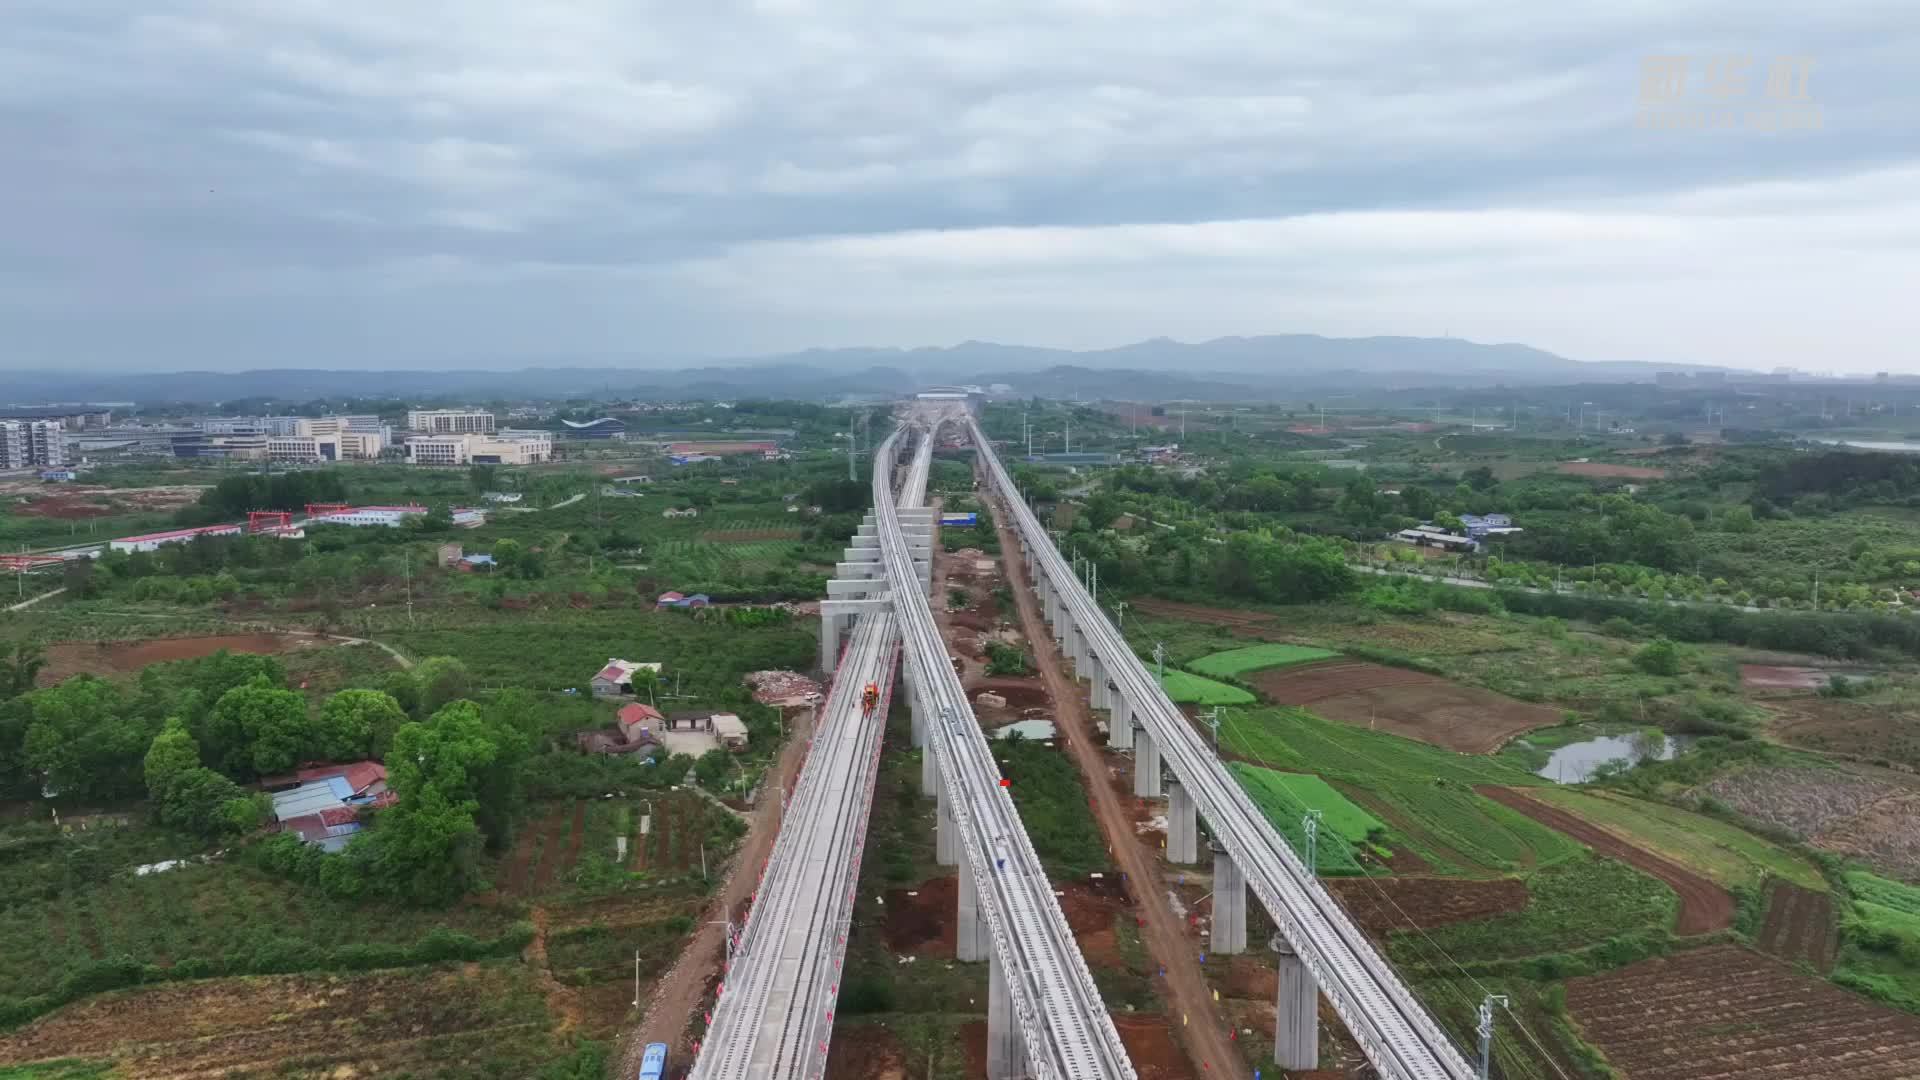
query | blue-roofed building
[1481, 526]
[322, 804]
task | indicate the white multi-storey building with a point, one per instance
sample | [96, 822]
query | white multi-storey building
[328, 445]
[507, 448]
[450, 421]
[24, 443]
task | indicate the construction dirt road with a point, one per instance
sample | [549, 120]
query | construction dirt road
[682, 989]
[1205, 1033]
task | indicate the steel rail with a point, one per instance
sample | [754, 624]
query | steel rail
[1065, 1026]
[774, 1013]
[1395, 1032]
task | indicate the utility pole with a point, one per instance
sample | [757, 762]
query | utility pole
[1816, 590]
[1486, 1031]
[1160, 659]
[1213, 719]
[1311, 824]
[1120, 609]
[407, 561]
[1093, 575]
[636, 978]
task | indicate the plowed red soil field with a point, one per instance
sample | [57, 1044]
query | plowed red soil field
[116, 657]
[1704, 906]
[1408, 703]
[1799, 925]
[1380, 905]
[1727, 1012]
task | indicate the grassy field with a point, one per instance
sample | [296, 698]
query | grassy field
[706, 654]
[1880, 940]
[1423, 794]
[1293, 738]
[1571, 905]
[1286, 797]
[1256, 657]
[1052, 800]
[1187, 689]
[74, 901]
[1459, 832]
[1726, 853]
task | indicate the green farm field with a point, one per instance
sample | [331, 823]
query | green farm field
[1286, 797]
[1423, 794]
[1188, 689]
[1726, 853]
[1256, 657]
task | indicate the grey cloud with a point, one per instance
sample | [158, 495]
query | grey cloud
[377, 184]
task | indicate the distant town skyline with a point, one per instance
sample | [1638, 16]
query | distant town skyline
[205, 184]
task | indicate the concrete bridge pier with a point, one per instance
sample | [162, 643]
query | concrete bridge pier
[1078, 651]
[1146, 765]
[830, 629]
[1006, 1048]
[1120, 724]
[945, 832]
[1296, 1029]
[973, 942]
[1183, 825]
[1101, 697]
[1229, 904]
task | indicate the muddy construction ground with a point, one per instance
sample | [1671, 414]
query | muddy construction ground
[126, 657]
[1725, 1011]
[1704, 906]
[70, 502]
[1408, 703]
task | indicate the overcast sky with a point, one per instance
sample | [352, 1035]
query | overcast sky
[230, 184]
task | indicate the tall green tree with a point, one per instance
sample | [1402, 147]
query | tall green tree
[19, 669]
[357, 724]
[442, 679]
[172, 752]
[257, 729]
[84, 739]
[203, 802]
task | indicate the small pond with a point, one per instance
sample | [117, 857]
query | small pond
[1575, 762]
[1037, 730]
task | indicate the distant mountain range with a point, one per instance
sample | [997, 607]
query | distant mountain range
[1271, 367]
